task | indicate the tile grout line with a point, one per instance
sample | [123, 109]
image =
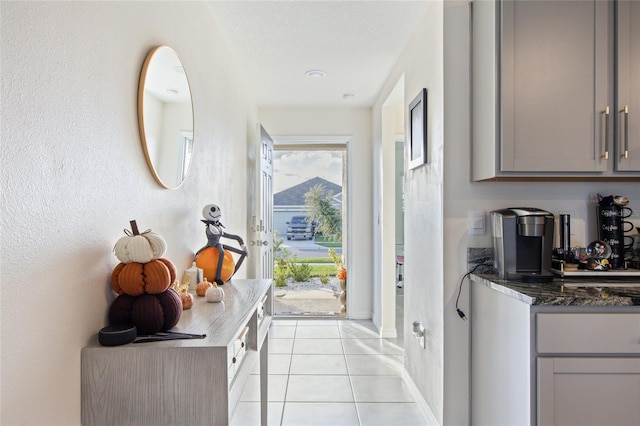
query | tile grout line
[286, 390]
[353, 394]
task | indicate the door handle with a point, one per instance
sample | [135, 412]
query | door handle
[258, 243]
[625, 113]
[605, 153]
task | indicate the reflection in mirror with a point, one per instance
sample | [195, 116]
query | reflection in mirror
[165, 117]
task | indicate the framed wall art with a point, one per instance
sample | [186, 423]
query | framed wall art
[417, 130]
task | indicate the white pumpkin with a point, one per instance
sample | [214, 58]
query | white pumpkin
[214, 294]
[139, 247]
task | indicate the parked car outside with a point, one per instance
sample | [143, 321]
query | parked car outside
[300, 227]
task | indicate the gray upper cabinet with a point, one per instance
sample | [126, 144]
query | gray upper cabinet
[543, 90]
[628, 85]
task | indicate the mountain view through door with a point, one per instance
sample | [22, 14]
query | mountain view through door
[309, 274]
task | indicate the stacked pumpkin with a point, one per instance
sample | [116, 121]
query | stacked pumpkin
[143, 283]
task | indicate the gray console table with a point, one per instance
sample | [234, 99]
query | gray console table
[184, 381]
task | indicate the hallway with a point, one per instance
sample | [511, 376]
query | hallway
[330, 372]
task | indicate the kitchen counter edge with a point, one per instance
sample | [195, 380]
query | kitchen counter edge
[563, 292]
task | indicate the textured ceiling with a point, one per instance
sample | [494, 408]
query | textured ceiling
[355, 42]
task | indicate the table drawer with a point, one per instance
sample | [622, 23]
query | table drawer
[608, 333]
[261, 308]
[236, 353]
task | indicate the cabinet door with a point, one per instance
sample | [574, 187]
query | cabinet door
[588, 391]
[628, 86]
[554, 76]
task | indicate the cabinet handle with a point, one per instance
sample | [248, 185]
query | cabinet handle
[625, 112]
[605, 153]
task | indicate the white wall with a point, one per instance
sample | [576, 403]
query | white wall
[73, 175]
[355, 123]
[421, 64]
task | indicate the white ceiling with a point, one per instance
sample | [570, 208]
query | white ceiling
[355, 42]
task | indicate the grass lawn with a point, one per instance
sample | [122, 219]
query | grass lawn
[316, 260]
[322, 241]
[323, 270]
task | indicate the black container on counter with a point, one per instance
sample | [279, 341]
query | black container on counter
[610, 230]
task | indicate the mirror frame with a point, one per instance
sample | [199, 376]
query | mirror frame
[141, 118]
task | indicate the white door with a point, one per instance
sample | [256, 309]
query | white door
[263, 223]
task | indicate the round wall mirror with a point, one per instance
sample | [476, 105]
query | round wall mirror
[165, 117]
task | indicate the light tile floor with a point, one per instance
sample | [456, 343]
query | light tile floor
[330, 372]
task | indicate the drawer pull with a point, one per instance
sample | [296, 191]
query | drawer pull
[234, 360]
[243, 333]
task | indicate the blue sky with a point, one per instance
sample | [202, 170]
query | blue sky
[294, 167]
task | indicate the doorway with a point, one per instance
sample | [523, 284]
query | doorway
[389, 230]
[399, 225]
[309, 229]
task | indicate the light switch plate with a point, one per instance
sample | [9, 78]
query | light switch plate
[477, 222]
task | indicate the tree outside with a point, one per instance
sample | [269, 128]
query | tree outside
[319, 202]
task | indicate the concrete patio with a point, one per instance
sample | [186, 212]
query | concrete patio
[308, 299]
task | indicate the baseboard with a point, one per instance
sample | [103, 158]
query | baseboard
[388, 333]
[359, 315]
[417, 396]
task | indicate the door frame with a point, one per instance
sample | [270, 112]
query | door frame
[331, 142]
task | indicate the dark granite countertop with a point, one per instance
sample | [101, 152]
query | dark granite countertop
[567, 291]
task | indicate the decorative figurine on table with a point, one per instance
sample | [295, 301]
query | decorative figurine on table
[215, 258]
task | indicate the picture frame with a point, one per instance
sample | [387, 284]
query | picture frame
[417, 130]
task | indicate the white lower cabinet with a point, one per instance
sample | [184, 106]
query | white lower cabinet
[579, 382]
[588, 391]
[553, 365]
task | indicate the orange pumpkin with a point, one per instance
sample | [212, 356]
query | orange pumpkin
[207, 260]
[201, 288]
[136, 279]
[187, 300]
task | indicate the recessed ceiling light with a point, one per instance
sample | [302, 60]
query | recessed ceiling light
[315, 73]
[348, 96]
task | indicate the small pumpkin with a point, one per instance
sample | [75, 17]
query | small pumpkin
[150, 313]
[136, 279]
[139, 247]
[187, 300]
[207, 260]
[214, 294]
[202, 287]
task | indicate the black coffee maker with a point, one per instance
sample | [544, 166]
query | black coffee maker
[522, 243]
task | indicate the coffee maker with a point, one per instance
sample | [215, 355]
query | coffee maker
[522, 243]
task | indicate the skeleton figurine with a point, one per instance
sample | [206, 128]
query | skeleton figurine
[214, 231]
